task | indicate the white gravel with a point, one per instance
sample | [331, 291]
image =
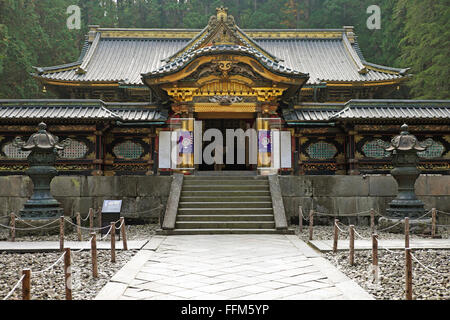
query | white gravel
[50, 285]
[391, 285]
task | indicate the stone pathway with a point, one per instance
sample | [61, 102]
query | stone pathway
[394, 244]
[41, 246]
[224, 267]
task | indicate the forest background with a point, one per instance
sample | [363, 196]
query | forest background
[412, 33]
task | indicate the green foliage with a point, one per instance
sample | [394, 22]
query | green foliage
[414, 33]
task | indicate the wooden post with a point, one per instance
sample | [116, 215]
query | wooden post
[336, 235]
[352, 245]
[408, 274]
[79, 227]
[372, 220]
[311, 223]
[91, 219]
[113, 242]
[124, 234]
[94, 255]
[375, 256]
[99, 218]
[68, 274]
[61, 233]
[433, 222]
[26, 284]
[406, 232]
[13, 227]
[300, 218]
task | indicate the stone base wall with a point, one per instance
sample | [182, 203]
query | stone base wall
[344, 195]
[145, 197]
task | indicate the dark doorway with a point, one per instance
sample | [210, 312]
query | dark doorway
[222, 125]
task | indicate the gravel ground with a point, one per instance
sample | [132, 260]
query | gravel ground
[391, 285]
[50, 285]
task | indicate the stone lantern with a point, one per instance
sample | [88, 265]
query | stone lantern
[41, 207]
[404, 148]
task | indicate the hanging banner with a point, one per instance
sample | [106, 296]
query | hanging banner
[264, 143]
[185, 142]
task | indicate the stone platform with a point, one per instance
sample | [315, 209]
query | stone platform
[229, 267]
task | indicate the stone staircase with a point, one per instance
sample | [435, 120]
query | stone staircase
[225, 204]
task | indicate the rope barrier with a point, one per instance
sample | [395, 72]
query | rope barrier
[340, 215]
[15, 287]
[84, 228]
[54, 264]
[103, 237]
[425, 267]
[36, 227]
[439, 211]
[25, 229]
[340, 228]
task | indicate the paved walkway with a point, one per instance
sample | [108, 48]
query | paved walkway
[223, 267]
[394, 244]
[40, 246]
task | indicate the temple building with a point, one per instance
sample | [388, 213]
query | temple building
[323, 109]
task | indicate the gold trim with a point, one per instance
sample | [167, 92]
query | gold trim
[210, 107]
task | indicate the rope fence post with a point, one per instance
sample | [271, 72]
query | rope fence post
[372, 220]
[99, 218]
[113, 242]
[375, 257]
[79, 227]
[336, 236]
[124, 234]
[352, 245]
[406, 232]
[408, 274]
[300, 218]
[68, 274]
[61, 233]
[91, 219]
[311, 223]
[94, 255]
[433, 222]
[13, 227]
[26, 284]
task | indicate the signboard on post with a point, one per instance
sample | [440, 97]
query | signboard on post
[110, 213]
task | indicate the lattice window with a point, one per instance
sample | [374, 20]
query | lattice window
[14, 152]
[375, 149]
[434, 151]
[128, 150]
[74, 150]
[321, 150]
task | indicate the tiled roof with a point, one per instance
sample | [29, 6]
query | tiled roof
[317, 112]
[185, 59]
[121, 57]
[395, 109]
[87, 110]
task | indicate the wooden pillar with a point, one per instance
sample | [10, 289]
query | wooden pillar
[352, 245]
[408, 274]
[353, 162]
[68, 274]
[26, 284]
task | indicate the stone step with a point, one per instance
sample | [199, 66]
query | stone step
[223, 231]
[225, 182]
[221, 211]
[220, 178]
[266, 204]
[224, 193]
[227, 199]
[236, 187]
[226, 217]
[225, 224]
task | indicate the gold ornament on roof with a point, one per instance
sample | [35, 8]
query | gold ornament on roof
[222, 13]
